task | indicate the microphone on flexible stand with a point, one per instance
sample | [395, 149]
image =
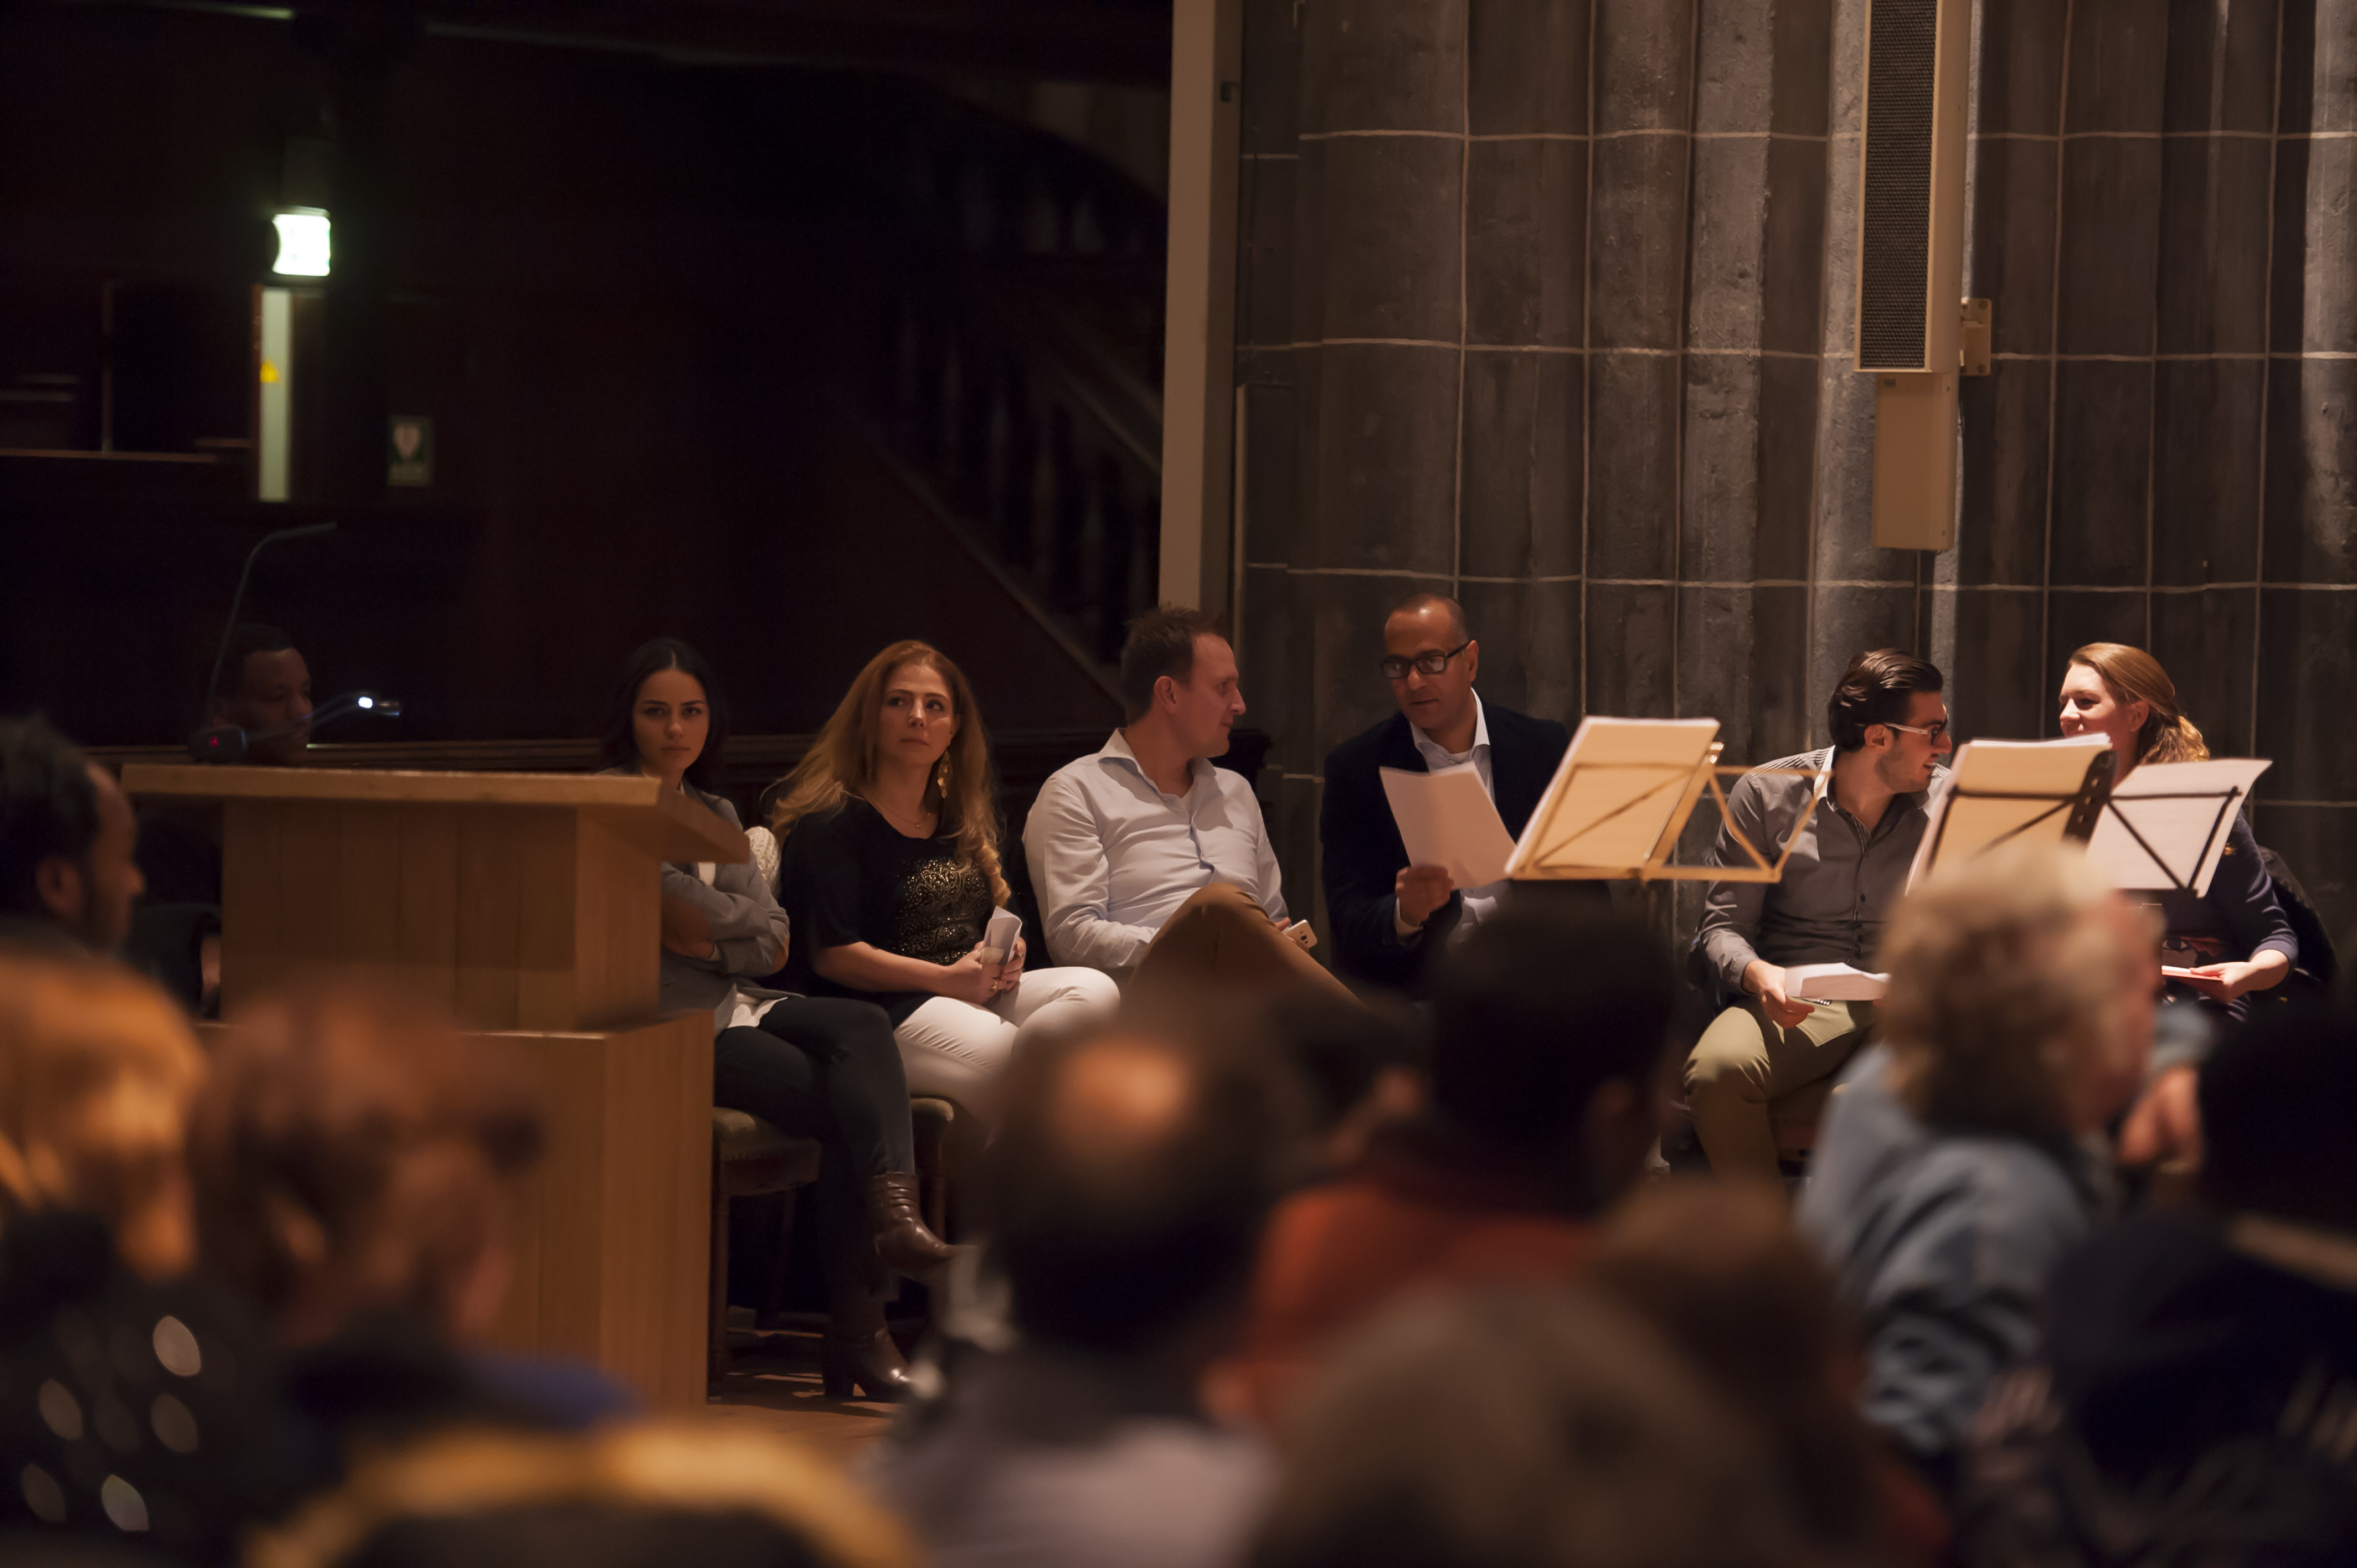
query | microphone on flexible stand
[227, 743]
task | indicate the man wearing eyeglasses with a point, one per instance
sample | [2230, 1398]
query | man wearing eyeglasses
[1849, 866]
[1389, 918]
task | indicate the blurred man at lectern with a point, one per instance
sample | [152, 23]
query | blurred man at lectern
[1889, 729]
[264, 687]
[67, 876]
[1389, 917]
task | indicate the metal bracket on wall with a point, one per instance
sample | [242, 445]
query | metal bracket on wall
[1978, 328]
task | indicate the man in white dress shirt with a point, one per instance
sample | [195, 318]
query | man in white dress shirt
[1149, 863]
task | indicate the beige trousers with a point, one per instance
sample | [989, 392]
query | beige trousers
[1743, 1061]
[1219, 941]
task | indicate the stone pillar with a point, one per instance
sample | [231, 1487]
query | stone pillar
[2306, 655]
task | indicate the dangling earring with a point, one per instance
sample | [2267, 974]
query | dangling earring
[942, 778]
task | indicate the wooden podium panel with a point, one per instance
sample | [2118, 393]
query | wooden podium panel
[608, 1268]
[518, 900]
[529, 906]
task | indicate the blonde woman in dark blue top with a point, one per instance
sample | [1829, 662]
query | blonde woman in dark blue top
[2235, 938]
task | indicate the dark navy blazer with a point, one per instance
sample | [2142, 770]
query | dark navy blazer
[1365, 855]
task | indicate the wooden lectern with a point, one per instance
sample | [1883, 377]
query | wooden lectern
[528, 905]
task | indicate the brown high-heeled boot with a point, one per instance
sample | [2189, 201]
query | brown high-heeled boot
[902, 1241]
[859, 1354]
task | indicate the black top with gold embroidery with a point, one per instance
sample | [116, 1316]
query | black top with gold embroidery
[848, 875]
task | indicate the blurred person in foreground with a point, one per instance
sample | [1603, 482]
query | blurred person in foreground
[1124, 1195]
[1549, 1027]
[643, 1495]
[1365, 1069]
[1966, 1155]
[67, 876]
[1521, 1429]
[1717, 1269]
[356, 1165]
[137, 1407]
[2192, 1403]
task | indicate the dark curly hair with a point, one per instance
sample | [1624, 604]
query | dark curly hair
[49, 806]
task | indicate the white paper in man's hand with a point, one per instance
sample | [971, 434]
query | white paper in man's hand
[1834, 982]
[1446, 819]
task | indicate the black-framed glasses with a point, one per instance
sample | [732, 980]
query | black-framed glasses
[1429, 662]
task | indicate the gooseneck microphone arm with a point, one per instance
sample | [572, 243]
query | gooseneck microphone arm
[228, 627]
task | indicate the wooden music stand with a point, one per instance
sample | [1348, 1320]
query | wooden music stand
[2001, 791]
[529, 906]
[1619, 801]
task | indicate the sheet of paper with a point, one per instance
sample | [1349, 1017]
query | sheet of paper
[1999, 791]
[999, 935]
[1613, 794]
[1446, 819]
[2182, 810]
[1834, 982]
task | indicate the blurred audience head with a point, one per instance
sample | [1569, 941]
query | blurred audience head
[1717, 1269]
[97, 1071]
[1128, 1187]
[2021, 994]
[1519, 1430]
[1549, 1027]
[2275, 1101]
[351, 1154]
[1361, 1069]
[264, 689]
[67, 838]
[650, 1495]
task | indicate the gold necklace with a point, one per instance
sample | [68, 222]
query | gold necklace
[917, 822]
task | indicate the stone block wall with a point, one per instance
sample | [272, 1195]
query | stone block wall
[1549, 304]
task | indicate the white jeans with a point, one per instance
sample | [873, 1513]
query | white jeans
[953, 1049]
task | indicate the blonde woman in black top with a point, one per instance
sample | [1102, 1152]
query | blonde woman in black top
[890, 869]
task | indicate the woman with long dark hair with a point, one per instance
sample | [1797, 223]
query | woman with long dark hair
[889, 833]
[816, 1067]
[2233, 939]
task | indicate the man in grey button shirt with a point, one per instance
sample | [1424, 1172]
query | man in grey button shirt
[1889, 728]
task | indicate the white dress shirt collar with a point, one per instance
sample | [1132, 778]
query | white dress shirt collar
[1436, 755]
[1117, 748]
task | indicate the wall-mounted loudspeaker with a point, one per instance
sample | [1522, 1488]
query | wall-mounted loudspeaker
[1910, 261]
